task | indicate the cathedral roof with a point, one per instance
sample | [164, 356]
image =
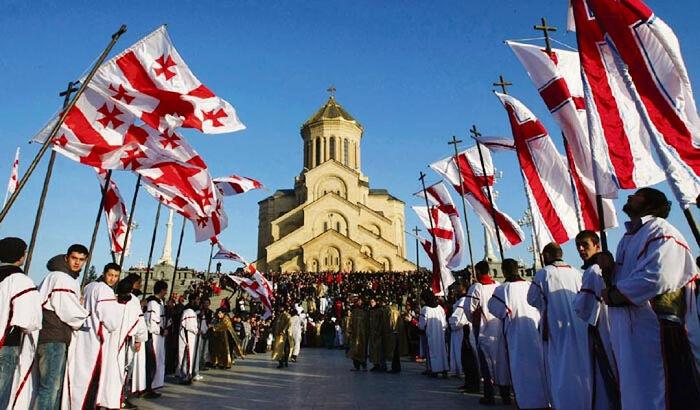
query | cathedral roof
[331, 110]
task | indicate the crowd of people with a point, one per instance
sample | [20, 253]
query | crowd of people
[624, 333]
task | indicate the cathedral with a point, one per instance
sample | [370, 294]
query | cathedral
[332, 220]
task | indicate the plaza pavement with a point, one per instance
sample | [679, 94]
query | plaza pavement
[320, 380]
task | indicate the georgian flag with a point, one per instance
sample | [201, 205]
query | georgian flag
[557, 76]
[116, 215]
[545, 175]
[444, 236]
[439, 196]
[256, 291]
[633, 65]
[151, 80]
[234, 185]
[13, 182]
[224, 253]
[469, 179]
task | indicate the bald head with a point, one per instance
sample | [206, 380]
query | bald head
[552, 252]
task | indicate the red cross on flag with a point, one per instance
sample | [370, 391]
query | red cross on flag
[224, 253]
[235, 185]
[439, 196]
[255, 290]
[469, 180]
[151, 80]
[115, 212]
[444, 236]
[545, 175]
[13, 182]
[639, 90]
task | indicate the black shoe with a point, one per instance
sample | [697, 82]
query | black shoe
[286, 364]
[151, 395]
[128, 405]
[279, 366]
[392, 371]
[487, 401]
[507, 401]
[470, 389]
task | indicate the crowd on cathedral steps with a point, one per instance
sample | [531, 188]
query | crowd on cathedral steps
[622, 332]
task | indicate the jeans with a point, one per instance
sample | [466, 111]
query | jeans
[9, 358]
[52, 366]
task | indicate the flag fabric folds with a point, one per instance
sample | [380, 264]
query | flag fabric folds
[495, 144]
[644, 53]
[13, 182]
[439, 196]
[116, 216]
[256, 290]
[234, 185]
[224, 253]
[445, 241]
[469, 180]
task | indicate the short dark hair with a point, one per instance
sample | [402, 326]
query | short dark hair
[160, 286]
[77, 248]
[554, 250]
[588, 234]
[124, 287]
[133, 278]
[112, 266]
[12, 249]
[656, 202]
[509, 266]
[482, 267]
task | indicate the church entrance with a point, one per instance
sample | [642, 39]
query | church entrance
[330, 259]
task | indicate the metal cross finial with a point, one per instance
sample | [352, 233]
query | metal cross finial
[454, 141]
[422, 177]
[416, 230]
[331, 91]
[475, 133]
[546, 29]
[503, 84]
[72, 87]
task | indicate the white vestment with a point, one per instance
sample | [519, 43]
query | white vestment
[186, 344]
[89, 344]
[490, 331]
[432, 321]
[589, 306]
[565, 336]
[295, 330]
[22, 308]
[138, 367]
[155, 323]
[651, 260]
[457, 321]
[523, 343]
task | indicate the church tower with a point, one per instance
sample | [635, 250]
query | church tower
[331, 220]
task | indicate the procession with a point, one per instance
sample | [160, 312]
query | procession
[550, 258]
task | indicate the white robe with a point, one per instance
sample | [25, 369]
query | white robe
[651, 260]
[490, 331]
[21, 308]
[432, 321]
[457, 321]
[295, 330]
[523, 343]
[138, 367]
[589, 306]
[186, 344]
[88, 347]
[155, 323]
[564, 334]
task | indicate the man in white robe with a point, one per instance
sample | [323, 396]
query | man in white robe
[432, 321]
[523, 341]
[651, 273]
[138, 367]
[457, 321]
[492, 354]
[589, 306]
[63, 314]
[298, 325]
[155, 346]
[189, 327]
[87, 351]
[564, 334]
[20, 317]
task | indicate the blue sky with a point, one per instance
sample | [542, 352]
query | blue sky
[413, 73]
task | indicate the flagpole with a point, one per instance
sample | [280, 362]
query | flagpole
[416, 230]
[211, 254]
[476, 134]
[454, 143]
[436, 252]
[131, 217]
[96, 228]
[177, 256]
[45, 189]
[49, 139]
[150, 252]
[692, 223]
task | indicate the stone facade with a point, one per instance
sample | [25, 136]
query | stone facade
[331, 220]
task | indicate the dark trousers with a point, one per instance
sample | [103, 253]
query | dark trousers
[285, 356]
[150, 364]
[489, 390]
[469, 364]
[682, 387]
[396, 358]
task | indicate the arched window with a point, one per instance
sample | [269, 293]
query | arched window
[332, 148]
[318, 151]
[346, 150]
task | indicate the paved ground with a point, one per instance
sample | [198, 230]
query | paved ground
[320, 380]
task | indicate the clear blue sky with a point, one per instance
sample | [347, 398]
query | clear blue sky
[414, 73]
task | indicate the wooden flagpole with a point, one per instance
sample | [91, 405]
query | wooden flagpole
[177, 257]
[436, 253]
[52, 134]
[476, 135]
[150, 252]
[131, 218]
[47, 179]
[454, 143]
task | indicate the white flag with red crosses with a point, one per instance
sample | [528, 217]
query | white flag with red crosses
[235, 185]
[115, 212]
[438, 224]
[13, 183]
